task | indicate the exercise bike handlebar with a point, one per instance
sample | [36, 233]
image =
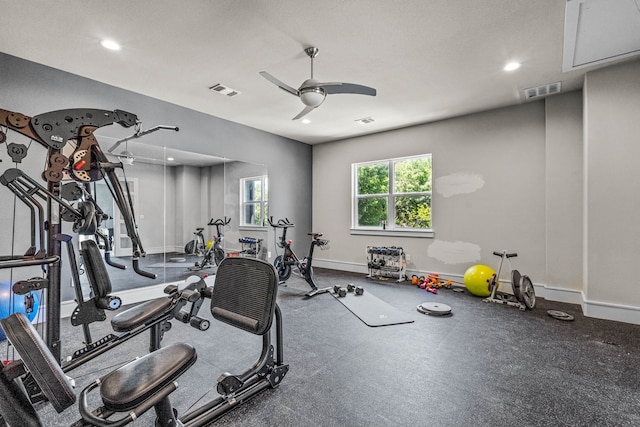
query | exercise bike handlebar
[220, 221]
[282, 223]
[507, 255]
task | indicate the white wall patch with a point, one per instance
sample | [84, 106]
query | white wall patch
[458, 183]
[454, 252]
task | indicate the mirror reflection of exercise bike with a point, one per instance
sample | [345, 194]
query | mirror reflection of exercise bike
[213, 253]
[288, 259]
[196, 245]
[523, 291]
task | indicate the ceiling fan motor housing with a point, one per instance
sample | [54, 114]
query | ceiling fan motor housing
[312, 96]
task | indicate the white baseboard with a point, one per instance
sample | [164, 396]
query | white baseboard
[341, 266]
[596, 309]
[162, 249]
[609, 311]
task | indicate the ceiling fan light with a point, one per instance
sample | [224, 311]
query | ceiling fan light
[126, 158]
[312, 97]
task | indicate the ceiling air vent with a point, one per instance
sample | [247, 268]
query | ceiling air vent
[544, 90]
[365, 120]
[224, 90]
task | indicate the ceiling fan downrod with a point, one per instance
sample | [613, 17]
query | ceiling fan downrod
[312, 52]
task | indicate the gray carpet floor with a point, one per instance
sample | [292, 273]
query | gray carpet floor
[484, 365]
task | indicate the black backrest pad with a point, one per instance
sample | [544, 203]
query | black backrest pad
[244, 294]
[96, 271]
[39, 361]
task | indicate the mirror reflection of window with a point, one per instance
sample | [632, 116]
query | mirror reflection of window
[254, 196]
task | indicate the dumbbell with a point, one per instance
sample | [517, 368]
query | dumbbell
[339, 290]
[359, 290]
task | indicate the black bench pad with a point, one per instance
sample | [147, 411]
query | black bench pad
[39, 361]
[141, 314]
[132, 384]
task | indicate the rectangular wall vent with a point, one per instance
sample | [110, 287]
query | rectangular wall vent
[224, 90]
[544, 90]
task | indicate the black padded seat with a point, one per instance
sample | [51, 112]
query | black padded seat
[244, 294]
[132, 384]
[39, 361]
[141, 314]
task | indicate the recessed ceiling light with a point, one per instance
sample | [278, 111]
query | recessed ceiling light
[511, 66]
[306, 121]
[170, 159]
[110, 44]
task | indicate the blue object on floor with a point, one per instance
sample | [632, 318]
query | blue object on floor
[7, 306]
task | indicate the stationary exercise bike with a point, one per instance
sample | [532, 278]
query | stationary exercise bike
[213, 252]
[284, 263]
[196, 245]
[523, 291]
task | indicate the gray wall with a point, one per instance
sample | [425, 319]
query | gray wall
[33, 89]
[500, 154]
[612, 200]
[563, 172]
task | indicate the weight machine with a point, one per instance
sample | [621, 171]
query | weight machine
[126, 393]
[87, 163]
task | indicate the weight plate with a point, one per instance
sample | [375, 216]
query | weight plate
[516, 277]
[560, 315]
[528, 292]
[434, 308]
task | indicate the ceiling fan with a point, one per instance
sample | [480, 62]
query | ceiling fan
[312, 92]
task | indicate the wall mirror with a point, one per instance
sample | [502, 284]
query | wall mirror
[175, 193]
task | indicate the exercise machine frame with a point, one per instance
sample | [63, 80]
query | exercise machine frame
[524, 296]
[123, 391]
[288, 260]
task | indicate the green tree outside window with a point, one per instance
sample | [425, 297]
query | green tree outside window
[394, 188]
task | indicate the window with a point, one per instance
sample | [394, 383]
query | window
[254, 195]
[393, 195]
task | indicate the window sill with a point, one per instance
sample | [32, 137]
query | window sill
[252, 228]
[426, 234]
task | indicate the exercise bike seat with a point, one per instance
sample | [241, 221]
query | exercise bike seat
[141, 314]
[139, 380]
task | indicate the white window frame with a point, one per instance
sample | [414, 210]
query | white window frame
[388, 229]
[262, 203]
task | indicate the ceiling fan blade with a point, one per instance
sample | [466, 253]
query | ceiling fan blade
[304, 112]
[278, 83]
[347, 88]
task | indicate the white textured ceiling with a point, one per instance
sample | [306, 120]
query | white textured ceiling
[428, 60]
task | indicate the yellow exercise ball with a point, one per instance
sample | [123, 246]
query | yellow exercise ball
[476, 280]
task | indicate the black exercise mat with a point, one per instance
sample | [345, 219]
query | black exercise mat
[372, 310]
